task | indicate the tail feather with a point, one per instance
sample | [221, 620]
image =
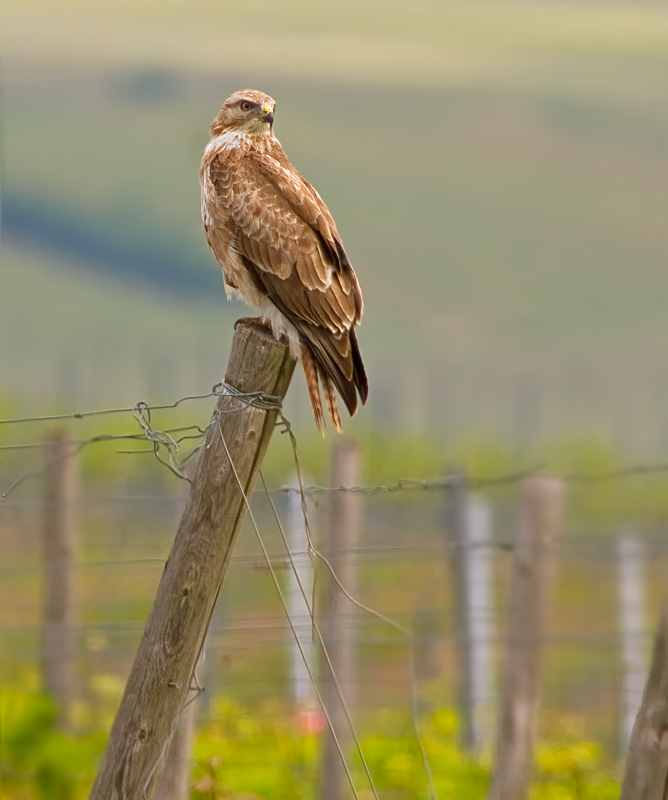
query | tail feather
[330, 399]
[325, 362]
[345, 371]
[359, 373]
[311, 375]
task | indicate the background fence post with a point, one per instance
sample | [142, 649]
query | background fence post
[469, 528]
[540, 512]
[303, 696]
[646, 772]
[209, 666]
[480, 577]
[173, 783]
[58, 548]
[160, 682]
[456, 528]
[631, 559]
[340, 538]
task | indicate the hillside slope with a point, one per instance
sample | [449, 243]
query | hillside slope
[499, 179]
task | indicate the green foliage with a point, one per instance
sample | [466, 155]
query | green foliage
[263, 754]
[571, 771]
[38, 762]
[395, 758]
[267, 755]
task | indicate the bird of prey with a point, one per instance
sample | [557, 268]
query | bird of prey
[280, 251]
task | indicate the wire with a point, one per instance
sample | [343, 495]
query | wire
[105, 411]
[316, 628]
[292, 627]
[387, 620]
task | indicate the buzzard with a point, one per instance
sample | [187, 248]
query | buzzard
[280, 251]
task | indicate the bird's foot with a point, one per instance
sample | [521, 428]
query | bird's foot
[257, 321]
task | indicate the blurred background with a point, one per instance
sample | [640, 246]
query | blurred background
[498, 173]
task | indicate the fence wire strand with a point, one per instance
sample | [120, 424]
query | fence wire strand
[165, 440]
[169, 448]
[319, 635]
[314, 552]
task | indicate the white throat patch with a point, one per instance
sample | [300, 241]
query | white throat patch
[228, 141]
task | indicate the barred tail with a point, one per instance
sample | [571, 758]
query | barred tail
[334, 360]
[311, 375]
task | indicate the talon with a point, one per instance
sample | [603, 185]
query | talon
[257, 321]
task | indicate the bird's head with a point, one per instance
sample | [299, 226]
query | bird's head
[248, 112]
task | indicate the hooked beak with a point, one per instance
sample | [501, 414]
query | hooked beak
[268, 114]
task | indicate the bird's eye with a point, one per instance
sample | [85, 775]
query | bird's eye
[245, 105]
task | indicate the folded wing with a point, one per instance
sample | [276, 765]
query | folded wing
[288, 242]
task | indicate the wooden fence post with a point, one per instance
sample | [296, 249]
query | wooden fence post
[160, 681]
[58, 540]
[646, 772]
[469, 527]
[540, 512]
[341, 534]
[631, 556]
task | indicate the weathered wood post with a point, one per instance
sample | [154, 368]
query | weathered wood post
[161, 679]
[646, 771]
[341, 534]
[540, 512]
[58, 547]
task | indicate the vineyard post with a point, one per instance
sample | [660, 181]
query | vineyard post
[540, 512]
[341, 535]
[469, 529]
[300, 583]
[58, 548]
[162, 679]
[173, 783]
[210, 662]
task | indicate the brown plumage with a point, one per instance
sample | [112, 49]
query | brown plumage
[280, 251]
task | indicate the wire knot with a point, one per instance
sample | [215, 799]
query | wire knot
[267, 402]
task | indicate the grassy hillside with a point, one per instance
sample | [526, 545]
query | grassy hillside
[497, 170]
[80, 337]
[376, 42]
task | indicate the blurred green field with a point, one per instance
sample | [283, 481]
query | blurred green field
[497, 170]
[384, 41]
